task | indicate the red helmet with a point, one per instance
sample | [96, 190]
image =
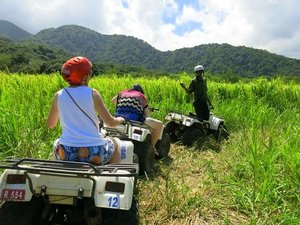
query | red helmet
[75, 70]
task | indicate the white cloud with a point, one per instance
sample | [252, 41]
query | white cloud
[189, 14]
[266, 24]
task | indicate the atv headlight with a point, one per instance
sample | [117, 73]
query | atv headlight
[168, 117]
[177, 117]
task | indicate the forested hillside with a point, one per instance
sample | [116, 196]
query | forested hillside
[102, 48]
[30, 58]
[226, 59]
[47, 50]
[120, 49]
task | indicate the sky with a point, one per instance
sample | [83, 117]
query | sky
[272, 25]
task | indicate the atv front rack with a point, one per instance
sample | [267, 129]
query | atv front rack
[69, 168]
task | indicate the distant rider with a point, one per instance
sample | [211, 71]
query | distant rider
[198, 86]
[75, 107]
[132, 104]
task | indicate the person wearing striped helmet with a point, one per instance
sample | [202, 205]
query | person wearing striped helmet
[198, 87]
[132, 104]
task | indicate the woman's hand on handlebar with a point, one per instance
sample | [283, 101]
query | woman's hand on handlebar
[121, 120]
[152, 109]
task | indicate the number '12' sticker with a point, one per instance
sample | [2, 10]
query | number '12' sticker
[113, 202]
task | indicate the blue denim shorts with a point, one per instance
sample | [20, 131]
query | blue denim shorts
[98, 155]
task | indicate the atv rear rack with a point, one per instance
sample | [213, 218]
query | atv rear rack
[69, 168]
[121, 131]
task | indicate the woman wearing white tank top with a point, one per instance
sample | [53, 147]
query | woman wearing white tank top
[76, 108]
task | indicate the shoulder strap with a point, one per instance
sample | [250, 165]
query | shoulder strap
[80, 108]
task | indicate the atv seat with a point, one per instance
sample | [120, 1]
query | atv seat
[192, 114]
[196, 117]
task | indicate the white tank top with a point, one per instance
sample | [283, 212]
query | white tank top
[77, 129]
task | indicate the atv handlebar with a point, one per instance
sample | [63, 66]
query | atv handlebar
[152, 109]
[135, 123]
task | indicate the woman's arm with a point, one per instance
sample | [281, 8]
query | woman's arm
[104, 114]
[146, 112]
[114, 99]
[53, 114]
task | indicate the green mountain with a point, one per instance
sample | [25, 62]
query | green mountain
[47, 50]
[102, 48]
[13, 32]
[120, 49]
[225, 58]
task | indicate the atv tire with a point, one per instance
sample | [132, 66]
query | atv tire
[171, 127]
[145, 153]
[121, 217]
[21, 213]
[192, 135]
[163, 146]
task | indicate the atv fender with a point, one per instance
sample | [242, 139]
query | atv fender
[114, 191]
[126, 150]
[214, 122]
[19, 192]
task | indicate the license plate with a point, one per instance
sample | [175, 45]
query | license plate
[13, 194]
[136, 137]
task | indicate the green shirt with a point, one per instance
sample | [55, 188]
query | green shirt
[199, 88]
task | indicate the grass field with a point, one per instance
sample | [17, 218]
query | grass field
[253, 178]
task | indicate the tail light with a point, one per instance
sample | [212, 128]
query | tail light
[16, 179]
[115, 187]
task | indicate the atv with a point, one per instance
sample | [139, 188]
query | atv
[140, 134]
[189, 129]
[52, 192]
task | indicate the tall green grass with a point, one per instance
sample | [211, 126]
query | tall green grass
[253, 178]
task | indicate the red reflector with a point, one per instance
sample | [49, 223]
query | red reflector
[137, 132]
[115, 187]
[16, 179]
